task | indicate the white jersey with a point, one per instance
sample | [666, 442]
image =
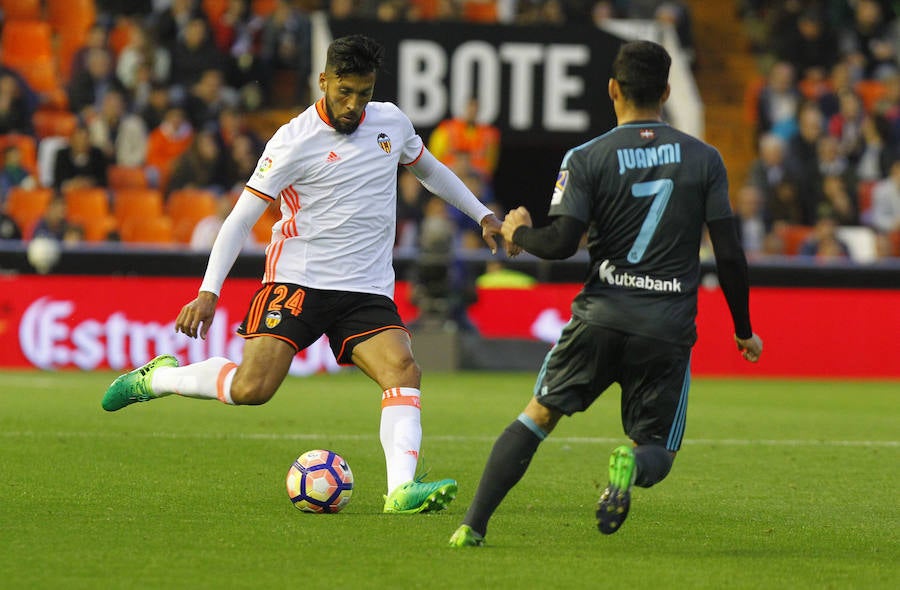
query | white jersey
[338, 198]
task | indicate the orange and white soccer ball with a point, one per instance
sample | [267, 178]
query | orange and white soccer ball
[320, 481]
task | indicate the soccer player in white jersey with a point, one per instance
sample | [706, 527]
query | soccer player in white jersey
[328, 266]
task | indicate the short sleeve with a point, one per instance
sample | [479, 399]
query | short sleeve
[412, 146]
[572, 192]
[276, 168]
[717, 204]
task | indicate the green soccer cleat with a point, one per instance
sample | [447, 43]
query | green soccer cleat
[612, 509]
[419, 496]
[135, 386]
[466, 537]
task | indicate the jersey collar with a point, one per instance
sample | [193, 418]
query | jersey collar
[323, 114]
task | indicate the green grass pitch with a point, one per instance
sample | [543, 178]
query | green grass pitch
[779, 484]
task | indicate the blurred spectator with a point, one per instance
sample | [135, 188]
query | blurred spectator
[142, 50]
[286, 46]
[868, 40]
[121, 135]
[242, 155]
[194, 53]
[410, 201]
[96, 38]
[207, 98]
[839, 202]
[26, 93]
[784, 204]
[877, 153]
[166, 143]
[88, 87]
[823, 242]
[768, 169]
[827, 94]
[53, 224]
[171, 21]
[751, 222]
[15, 114]
[13, 173]
[235, 33]
[779, 101]
[467, 135]
[846, 125]
[157, 104]
[803, 159]
[9, 229]
[888, 106]
[201, 166]
[230, 125]
[833, 163]
[886, 201]
[79, 164]
[811, 46]
[207, 229]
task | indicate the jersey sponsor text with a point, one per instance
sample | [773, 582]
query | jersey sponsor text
[609, 275]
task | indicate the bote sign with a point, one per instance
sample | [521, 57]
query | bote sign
[538, 84]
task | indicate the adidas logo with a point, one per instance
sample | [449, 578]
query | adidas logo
[332, 157]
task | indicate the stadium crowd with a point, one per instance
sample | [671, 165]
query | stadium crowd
[826, 110]
[135, 120]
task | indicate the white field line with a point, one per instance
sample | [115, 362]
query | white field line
[587, 440]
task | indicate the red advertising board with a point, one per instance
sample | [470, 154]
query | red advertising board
[60, 322]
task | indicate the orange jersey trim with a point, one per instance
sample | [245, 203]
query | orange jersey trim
[323, 113]
[259, 194]
[421, 151]
[273, 254]
[263, 334]
[376, 330]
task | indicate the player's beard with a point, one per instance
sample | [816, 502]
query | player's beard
[339, 126]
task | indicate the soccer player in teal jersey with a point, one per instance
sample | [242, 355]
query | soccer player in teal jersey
[643, 192]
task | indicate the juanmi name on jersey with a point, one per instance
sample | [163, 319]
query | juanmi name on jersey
[647, 157]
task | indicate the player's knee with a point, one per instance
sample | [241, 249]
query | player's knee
[653, 464]
[248, 393]
[405, 370]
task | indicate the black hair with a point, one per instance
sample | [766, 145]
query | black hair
[354, 54]
[642, 70]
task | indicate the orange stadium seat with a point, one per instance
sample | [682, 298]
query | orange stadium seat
[53, 123]
[120, 35]
[264, 7]
[86, 203]
[153, 230]
[119, 177]
[24, 42]
[188, 206]
[68, 42]
[139, 203]
[214, 9]
[71, 14]
[27, 206]
[42, 75]
[793, 236]
[22, 10]
[98, 229]
[870, 92]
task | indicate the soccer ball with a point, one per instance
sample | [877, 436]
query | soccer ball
[320, 481]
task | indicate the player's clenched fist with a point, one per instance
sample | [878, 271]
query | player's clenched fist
[515, 219]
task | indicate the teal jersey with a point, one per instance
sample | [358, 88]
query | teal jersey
[645, 191]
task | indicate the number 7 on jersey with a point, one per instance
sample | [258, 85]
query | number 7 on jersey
[660, 190]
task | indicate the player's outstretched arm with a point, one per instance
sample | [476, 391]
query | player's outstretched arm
[196, 317]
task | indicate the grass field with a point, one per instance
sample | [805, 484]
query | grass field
[780, 484]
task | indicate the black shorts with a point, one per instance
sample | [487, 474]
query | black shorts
[300, 315]
[654, 376]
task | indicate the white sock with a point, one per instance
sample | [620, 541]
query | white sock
[401, 434]
[209, 379]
